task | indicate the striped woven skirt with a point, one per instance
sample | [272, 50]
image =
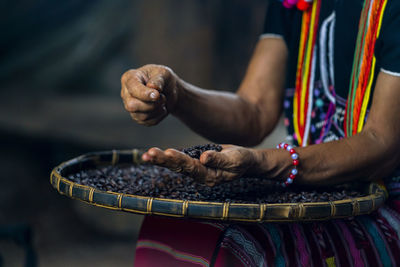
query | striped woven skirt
[369, 240]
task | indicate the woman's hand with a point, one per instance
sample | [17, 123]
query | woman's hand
[212, 167]
[149, 93]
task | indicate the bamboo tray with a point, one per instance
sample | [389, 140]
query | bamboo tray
[224, 211]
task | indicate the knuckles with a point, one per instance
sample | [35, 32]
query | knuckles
[131, 106]
[127, 75]
[148, 70]
[158, 70]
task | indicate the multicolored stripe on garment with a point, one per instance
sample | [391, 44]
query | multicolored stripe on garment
[301, 245]
[290, 251]
[246, 243]
[377, 240]
[342, 254]
[233, 250]
[368, 240]
[351, 243]
[392, 218]
[277, 240]
[262, 238]
[302, 100]
[179, 255]
[363, 241]
[316, 253]
[330, 262]
[389, 237]
[363, 69]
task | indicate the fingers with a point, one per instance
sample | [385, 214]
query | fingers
[157, 82]
[134, 105]
[145, 113]
[159, 77]
[134, 82]
[136, 89]
[180, 162]
[152, 113]
[176, 161]
[147, 82]
[150, 119]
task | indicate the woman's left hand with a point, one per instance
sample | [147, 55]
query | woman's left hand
[212, 168]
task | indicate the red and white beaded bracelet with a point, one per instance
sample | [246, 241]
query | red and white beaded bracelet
[295, 158]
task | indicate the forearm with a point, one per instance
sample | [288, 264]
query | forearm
[371, 154]
[362, 157]
[249, 115]
[223, 117]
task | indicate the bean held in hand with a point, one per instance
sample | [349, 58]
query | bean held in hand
[196, 151]
[149, 93]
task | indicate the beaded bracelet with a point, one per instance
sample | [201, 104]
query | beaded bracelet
[295, 158]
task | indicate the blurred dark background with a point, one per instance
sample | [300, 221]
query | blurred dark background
[60, 68]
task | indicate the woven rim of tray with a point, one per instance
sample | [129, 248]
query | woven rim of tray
[279, 212]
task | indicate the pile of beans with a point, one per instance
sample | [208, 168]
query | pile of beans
[196, 151]
[155, 181]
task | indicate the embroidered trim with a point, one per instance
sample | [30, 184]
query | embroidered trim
[270, 35]
[397, 74]
[328, 23]
[247, 246]
[179, 255]
[363, 68]
[305, 73]
[310, 99]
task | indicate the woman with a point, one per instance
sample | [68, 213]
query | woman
[340, 64]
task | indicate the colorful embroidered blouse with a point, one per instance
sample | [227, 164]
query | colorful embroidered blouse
[334, 52]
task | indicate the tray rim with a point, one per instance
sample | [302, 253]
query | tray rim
[284, 212]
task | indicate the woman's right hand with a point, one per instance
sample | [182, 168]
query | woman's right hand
[149, 93]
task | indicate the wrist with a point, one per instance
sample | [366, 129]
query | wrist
[295, 162]
[265, 162]
[273, 163]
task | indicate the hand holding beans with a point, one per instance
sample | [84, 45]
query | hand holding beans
[149, 93]
[211, 168]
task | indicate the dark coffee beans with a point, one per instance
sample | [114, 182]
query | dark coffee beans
[196, 151]
[154, 181]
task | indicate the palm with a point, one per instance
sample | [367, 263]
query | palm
[212, 167]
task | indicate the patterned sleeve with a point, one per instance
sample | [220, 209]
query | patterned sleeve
[278, 21]
[388, 50]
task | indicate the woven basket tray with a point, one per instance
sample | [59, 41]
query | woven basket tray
[199, 209]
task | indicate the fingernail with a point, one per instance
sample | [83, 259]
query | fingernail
[153, 95]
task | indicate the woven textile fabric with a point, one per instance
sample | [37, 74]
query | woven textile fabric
[371, 240]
